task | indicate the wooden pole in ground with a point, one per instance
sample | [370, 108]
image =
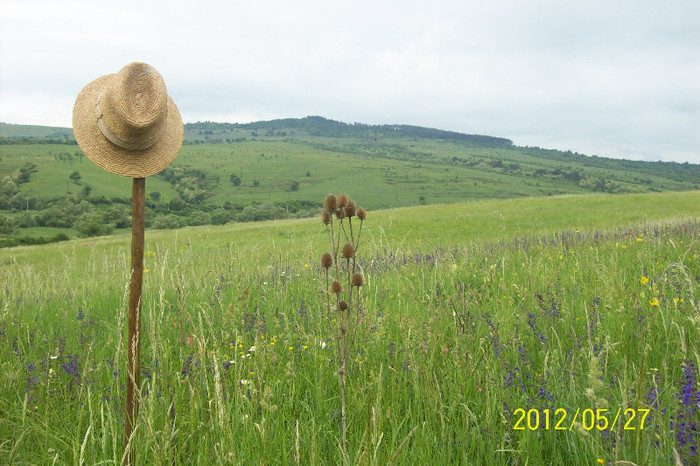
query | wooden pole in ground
[133, 379]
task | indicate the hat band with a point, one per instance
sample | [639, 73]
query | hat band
[123, 143]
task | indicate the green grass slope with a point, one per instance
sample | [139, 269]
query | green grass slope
[282, 168]
[558, 330]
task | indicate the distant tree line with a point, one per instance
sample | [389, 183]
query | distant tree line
[324, 127]
[16, 141]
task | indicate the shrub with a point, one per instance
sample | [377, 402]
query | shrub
[93, 224]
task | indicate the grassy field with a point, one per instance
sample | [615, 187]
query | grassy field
[391, 169]
[386, 171]
[558, 330]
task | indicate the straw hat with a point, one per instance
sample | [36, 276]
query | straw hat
[127, 123]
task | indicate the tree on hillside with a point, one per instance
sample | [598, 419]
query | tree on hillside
[75, 177]
[93, 224]
[176, 204]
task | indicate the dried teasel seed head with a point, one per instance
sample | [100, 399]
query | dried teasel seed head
[326, 217]
[361, 214]
[340, 214]
[342, 200]
[330, 203]
[350, 209]
[348, 251]
[357, 279]
[343, 306]
[326, 260]
[336, 287]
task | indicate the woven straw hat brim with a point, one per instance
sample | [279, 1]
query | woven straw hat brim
[109, 156]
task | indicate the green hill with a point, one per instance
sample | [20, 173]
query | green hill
[283, 168]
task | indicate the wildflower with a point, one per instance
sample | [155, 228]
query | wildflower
[342, 200]
[644, 280]
[330, 203]
[336, 287]
[350, 209]
[290, 348]
[348, 251]
[306, 266]
[688, 396]
[304, 347]
[145, 270]
[601, 461]
[326, 217]
[639, 240]
[326, 260]
[357, 280]
[654, 302]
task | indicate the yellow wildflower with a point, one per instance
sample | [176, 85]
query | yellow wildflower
[654, 302]
[644, 280]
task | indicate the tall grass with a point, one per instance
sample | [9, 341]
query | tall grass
[239, 360]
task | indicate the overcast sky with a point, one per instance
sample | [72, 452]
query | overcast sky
[616, 78]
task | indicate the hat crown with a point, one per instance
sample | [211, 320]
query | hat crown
[132, 109]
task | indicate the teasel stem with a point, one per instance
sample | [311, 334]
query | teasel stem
[343, 410]
[342, 371]
[331, 236]
[352, 236]
[328, 297]
[359, 233]
[342, 226]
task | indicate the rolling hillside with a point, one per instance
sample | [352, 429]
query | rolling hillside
[283, 168]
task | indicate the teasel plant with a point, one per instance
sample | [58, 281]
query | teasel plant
[344, 279]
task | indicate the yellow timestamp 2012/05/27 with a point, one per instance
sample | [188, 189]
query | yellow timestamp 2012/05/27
[589, 419]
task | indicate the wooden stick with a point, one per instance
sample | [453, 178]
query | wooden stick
[138, 219]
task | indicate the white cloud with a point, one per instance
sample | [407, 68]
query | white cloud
[613, 78]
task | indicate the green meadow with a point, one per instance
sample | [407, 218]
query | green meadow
[282, 169]
[536, 330]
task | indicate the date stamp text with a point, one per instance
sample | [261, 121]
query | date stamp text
[589, 419]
